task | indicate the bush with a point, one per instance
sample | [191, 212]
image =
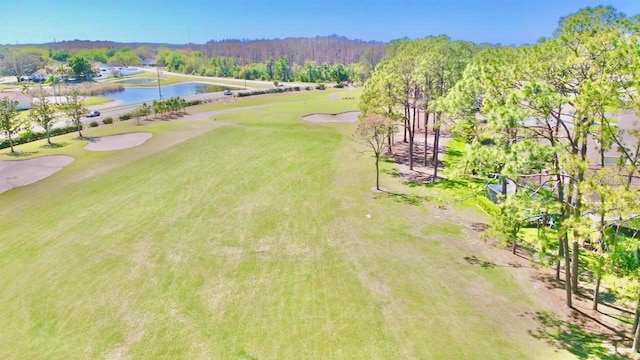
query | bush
[307, 88]
[486, 205]
[339, 85]
[125, 117]
[29, 136]
[93, 124]
[107, 120]
[320, 86]
[194, 102]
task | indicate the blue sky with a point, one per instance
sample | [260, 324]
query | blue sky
[181, 21]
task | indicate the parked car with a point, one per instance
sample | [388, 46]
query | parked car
[93, 113]
[228, 92]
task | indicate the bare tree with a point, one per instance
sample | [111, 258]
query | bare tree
[372, 131]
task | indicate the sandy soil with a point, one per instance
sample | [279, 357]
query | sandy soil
[17, 173]
[117, 142]
[345, 117]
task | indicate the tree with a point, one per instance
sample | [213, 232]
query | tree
[146, 109]
[74, 109]
[61, 55]
[20, 62]
[80, 65]
[42, 113]
[53, 81]
[125, 57]
[10, 123]
[372, 131]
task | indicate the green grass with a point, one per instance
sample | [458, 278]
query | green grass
[96, 100]
[244, 237]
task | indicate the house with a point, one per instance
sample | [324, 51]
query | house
[151, 62]
[24, 101]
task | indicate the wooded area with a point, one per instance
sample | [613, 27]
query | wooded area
[556, 121]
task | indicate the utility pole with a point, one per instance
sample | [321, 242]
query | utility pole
[159, 88]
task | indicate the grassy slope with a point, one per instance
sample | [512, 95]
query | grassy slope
[250, 241]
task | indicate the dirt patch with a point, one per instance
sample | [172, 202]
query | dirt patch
[15, 173]
[344, 117]
[117, 142]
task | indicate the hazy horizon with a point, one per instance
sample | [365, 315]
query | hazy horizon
[174, 22]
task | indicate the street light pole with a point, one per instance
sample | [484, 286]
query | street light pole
[159, 89]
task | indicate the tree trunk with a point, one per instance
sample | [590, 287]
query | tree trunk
[426, 131]
[636, 317]
[406, 125]
[596, 294]
[412, 133]
[514, 246]
[560, 255]
[48, 137]
[10, 143]
[436, 136]
[567, 270]
[80, 129]
[377, 173]
[636, 336]
[574, 264]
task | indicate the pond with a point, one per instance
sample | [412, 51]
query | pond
[140, 81]
[138, 95]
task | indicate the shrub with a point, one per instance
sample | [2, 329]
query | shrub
[107, 120]
[486, 205]
[307, 88]
[93, 124]
[339, 85]
[125, 117]
[29, 135]
[320, 86]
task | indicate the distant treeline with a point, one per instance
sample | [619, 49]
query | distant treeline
[331, 58]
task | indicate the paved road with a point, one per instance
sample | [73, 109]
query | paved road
[222, 81]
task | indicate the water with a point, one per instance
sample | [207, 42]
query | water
[138, 95]
[139, 81]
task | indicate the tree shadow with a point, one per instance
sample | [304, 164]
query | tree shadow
[19, 154]
[408, 199]
[474, 260]
[479, 227]
[54, 145]
[573, 338]
[485, 264]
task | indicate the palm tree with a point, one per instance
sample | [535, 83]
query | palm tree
[54, 80]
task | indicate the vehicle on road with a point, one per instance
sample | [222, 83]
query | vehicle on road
[228, 92]
[93, 113]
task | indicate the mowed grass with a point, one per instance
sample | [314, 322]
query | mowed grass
[249, 241]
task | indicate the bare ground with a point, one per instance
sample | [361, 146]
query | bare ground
[118, 142]
[344, 117]
[17, 173]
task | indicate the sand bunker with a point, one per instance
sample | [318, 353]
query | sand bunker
[15, 173]
[345, 117]
[117, 142]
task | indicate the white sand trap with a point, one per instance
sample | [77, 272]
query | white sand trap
[345, 117]
[15, 173]
[117, 142]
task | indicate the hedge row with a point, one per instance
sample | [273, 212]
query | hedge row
[29, 135]
[268, 91]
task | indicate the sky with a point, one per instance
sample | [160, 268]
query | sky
[508, 22]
